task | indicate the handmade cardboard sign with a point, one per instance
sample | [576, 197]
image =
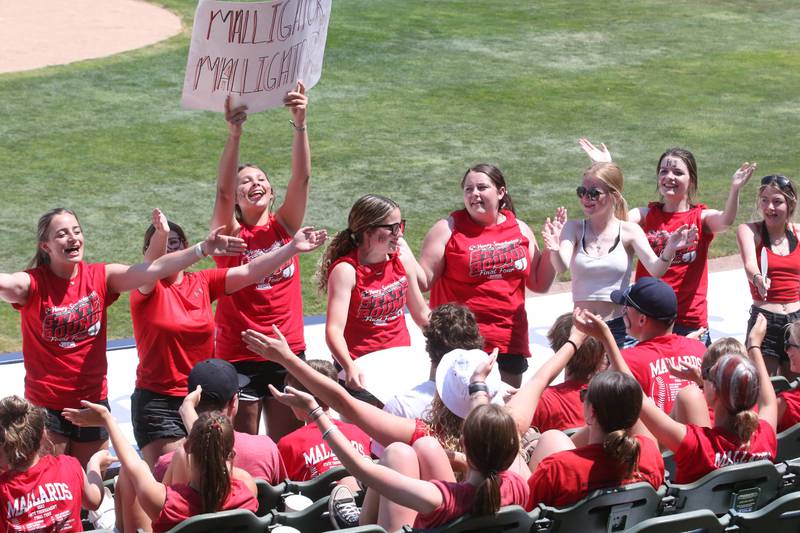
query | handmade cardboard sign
[255, 51]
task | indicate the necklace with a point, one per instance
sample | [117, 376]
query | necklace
[598, 245]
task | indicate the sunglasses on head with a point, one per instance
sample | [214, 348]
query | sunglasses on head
[593, 193]
[776, 179]
[395, 228]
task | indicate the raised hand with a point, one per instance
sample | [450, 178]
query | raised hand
[218, 244]
[91, 415]
[292, 397]
[597, 155]
[757, 332]
[297, 101]
[484, 368]
[235, 116]
[743, 174]
[683, 237]
[159, 221]
[588, 323]
[687, 372]
[274, 349]
[307, 239]
[551, 234]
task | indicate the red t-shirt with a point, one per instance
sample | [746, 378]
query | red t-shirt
[375, 318]
[457, 499]
[783, 272]
[306, 455]
[792, 414]
[486, 269]
[46, 497]
[705, 449]
[688, 272]
[648, 363]
[184, 502]
[174, 329]
[64, 336]
[255, 454]
[560, 407]
[563, 478]
[277, 299]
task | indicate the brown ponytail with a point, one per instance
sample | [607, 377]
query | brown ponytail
[623, 448]
[496, 175]
[21, 430]
[745, 423]
[368, 210]
[491, 443]
[43, 233]
[210, 444]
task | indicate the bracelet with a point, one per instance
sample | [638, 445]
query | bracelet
[313, 414]
[478, 386]
[573, 345]
[753, 346]
[757, 274]
[665, 259]
[296, 127]
[327, 432]
[198, 249]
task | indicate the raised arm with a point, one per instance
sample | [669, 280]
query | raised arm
[431, 258]
[225, 201]
[767, 402]
[746, 238]
[542, 272]
[304, 240]
[657, 265]
[150, 492]
[523, 404]
[383, 427]
[666, 430]
[596, 154]
[717, 221]
[561, 242]
[293, 209]
[123, 278]
[14, 287]
[421, 496]
[158, 244]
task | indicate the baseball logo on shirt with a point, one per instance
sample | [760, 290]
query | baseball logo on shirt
[383, 305]
[73, 323]
[494, 259]
[284, 273]
[37, 498]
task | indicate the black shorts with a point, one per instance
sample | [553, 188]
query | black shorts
[56, 423]
[772, 345]
[512, 363]
[261, 374]
[155, 416]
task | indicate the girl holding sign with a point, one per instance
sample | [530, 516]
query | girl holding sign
[772, 262]
[243, 206]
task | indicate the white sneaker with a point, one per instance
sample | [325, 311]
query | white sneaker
[342, 508]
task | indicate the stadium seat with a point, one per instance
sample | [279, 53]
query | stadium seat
[669, 463]
[361, 529]
[782, 515]
[780, 384]
[510, 519]
[695, 521]
[269, 496]
[603, 511]
[313, 519]
[745, 487]
[231, 521]
[320, 486]
[789, 444]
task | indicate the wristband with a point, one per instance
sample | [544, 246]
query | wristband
[296, 127]
[665, 259]
[478, 386]
[753, 346]
[313, 414]
[198, 249]
[755, 275]
[573, 345]
[327, 432]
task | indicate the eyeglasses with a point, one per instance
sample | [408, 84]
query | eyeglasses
[395, 228]
[787, 339]
[593, 193]
[781, 181]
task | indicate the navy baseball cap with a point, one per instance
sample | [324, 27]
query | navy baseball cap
[651, 297]
[219, 380]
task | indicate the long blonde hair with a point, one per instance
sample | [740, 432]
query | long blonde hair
[611, 175]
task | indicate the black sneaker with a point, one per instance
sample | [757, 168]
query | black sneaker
[342, 508]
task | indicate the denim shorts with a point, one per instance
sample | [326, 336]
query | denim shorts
[772, 345]
[56, 423]
[155, 416]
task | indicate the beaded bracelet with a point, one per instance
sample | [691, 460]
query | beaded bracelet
[327, 432]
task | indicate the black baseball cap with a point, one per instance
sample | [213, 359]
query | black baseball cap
[218, 378]
[651, 297]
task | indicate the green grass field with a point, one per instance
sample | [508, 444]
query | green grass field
[411, 94]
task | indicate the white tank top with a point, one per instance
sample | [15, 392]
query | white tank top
[593, 278]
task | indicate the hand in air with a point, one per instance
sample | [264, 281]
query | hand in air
[297, 101]
[159, 221]
[274, 349]
[292, 397]
[235, 116]
[743, 174]
[307, 239]
[597, 155]
[218, 244]
[91, 415]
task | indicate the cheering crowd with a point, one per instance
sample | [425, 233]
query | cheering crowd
[640, 366]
